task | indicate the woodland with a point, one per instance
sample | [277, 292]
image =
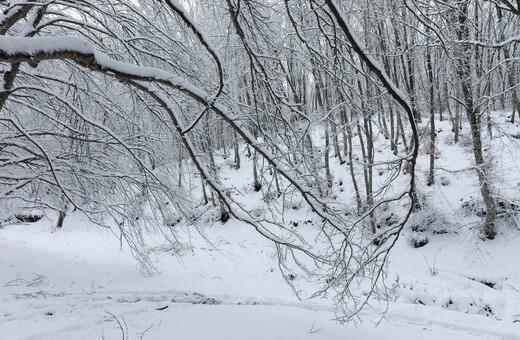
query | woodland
[141, 115]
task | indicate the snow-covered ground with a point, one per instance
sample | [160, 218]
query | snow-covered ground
[76, 282]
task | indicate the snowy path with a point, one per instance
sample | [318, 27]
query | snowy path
[82, 316]
[47, 316]
[54, 286]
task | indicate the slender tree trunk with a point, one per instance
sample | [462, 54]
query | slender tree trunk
[429, 69]
[327, 159]
[179, 160]
[61, 219]
[237, 151]
[256, 180]
[464, 72]
[204, 193]
[335, 139]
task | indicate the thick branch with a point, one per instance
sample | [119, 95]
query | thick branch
[12, 16]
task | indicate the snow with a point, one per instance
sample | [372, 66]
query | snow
[72, 284]
[10, 46]
[63, 47]
[77, 283]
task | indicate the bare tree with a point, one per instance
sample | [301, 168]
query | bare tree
[109, 102]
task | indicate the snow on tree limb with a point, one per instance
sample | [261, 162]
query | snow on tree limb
[37, 49]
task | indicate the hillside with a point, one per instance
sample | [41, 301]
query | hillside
[76, 282]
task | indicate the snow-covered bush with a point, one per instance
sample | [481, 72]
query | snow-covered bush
[430, 220]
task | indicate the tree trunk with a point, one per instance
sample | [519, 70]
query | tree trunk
[429, 69]
[237, 152]
[61, 218]
[464, 72]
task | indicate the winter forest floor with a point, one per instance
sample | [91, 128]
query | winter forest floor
[76, 283]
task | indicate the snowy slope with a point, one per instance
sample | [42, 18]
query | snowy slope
[76, 283]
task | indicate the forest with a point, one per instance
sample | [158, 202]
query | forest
[333, 129]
